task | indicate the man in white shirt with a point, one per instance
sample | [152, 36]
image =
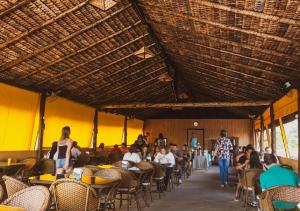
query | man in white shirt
[132, 155]
[75, 151]
[164, 157]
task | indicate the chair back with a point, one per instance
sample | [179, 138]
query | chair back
[113, 173]
[159, 170]
[26, 170]
[250, 177]
[35, 198]
[13, 185]
[87, 171]
[82, 160]
[93, 168]
[46, 166]
[115, 157]
[144, 165]
[70, 195]
[282, 193]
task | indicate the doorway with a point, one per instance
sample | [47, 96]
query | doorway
[198, 133]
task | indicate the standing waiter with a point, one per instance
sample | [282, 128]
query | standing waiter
[222, 150]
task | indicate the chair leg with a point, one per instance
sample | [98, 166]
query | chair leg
[137, 202]
[121, 200]
[128, 201]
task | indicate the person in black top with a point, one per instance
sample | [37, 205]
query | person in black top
[52, 151]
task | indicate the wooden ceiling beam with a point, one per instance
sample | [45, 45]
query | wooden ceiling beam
[189, 105]
[39, 69]
[220, 25]
[46, 23]
[211, 38]
[236, 10]
[216, 75]
[230, 70]
[8, 65]
[97, 70]
[231, 53]
[243, 66]
[108, 85]
[14, 7]
[92, 60]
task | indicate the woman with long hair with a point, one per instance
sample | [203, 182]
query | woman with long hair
[64, 146]
[255, 161]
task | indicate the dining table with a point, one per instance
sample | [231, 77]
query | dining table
[11, 208]
[5, 166]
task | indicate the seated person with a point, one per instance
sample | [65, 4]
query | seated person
[278, 176]
[145, 154]
[242, 163]
[132, 155]
[140, 143]
[164, 157]
[115, 150]
[52, 153]
[75, 151]
[124, 148]
[100, 151]
[179, 161]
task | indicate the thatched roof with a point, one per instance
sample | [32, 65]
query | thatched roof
[214, 50]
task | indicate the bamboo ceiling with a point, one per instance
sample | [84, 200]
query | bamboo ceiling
[229, 50]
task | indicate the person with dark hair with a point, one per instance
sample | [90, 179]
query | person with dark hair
[64, 146]
[140, 142]
[254, 162]
[242, 163]
[278, 176]
[132, 155]
[145, 154]
[161, 141]
[75, 151]
[222, 150]
[124, 148]
[52, 153]
[115, 150]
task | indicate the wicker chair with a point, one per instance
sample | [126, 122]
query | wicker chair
[249, 180]
[26, 171]
[283, 193]
[87, 171]
[13, 185]
[129, 185]
[35, 198]
[108, 195]
[46, 166]
[93, 168]
[158, 177]
[82, 160]
[147, 178]
[70, 195]
[1, 193]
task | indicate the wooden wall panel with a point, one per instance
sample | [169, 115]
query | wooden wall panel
[176, 129]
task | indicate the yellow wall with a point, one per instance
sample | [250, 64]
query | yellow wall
[18, 122]
[110, 129]
[60, 112]
[134, 128]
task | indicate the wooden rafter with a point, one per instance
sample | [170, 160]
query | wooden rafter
[212, 38]
[248, 12]
[97, 70]
[220, 25]
[15, 7]
[40, 27]
[92, 60]
[122, 78]
[189, 105]
[8, 65]
[241, 56]
[242, 66]
[229, 84]
[199, 69]
[205, 62]
[39, 69]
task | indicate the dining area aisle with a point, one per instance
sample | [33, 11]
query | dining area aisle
[201, 191]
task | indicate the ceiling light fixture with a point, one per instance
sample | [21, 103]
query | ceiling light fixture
[103, 4]
[144, 53]
[165, 78]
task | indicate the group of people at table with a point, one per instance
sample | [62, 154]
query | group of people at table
[274, 174]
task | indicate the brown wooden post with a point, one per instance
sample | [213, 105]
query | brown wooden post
[125, 129]
[95, 132]
[273, 129]
[261, 133]
[39, 152]
[252, 129]
[298, 90]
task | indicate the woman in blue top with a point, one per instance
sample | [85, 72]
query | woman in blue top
[64, 146]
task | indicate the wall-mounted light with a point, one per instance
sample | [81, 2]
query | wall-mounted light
[287, 84]
[196, 124]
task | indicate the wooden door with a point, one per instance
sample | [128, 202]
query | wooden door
[198, 133]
